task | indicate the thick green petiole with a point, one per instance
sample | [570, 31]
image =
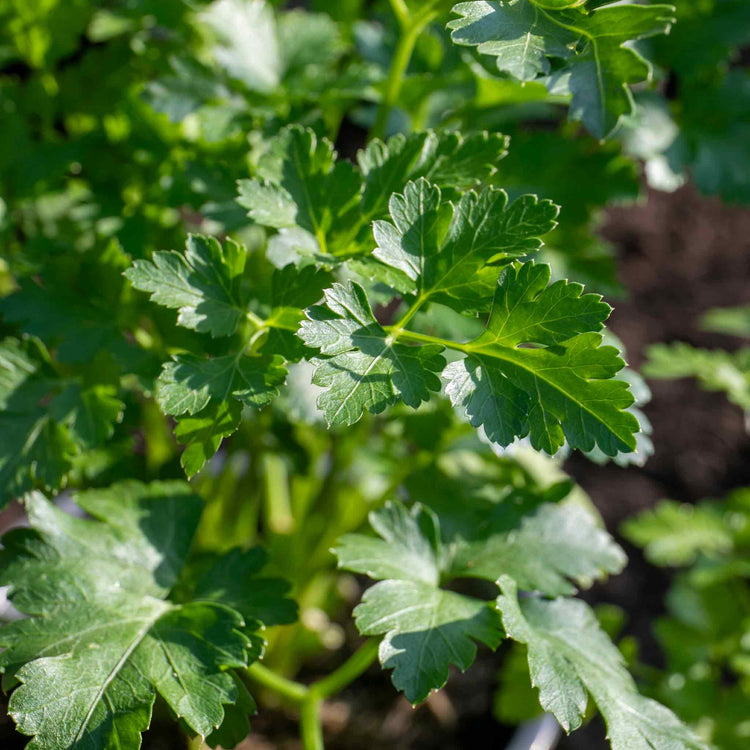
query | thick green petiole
[309, 698]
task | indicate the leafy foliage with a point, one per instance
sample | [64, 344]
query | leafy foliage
[201, 283]
[207, 284]
[301, 187]
[407, 280]
[716, 370]
[597, 68]
[363, 368]
[102, 634]
[426, 627]
[570, 657]
[700, 135]
[553, 393]
[456, 256]
[45, 420]
[674, 534]
[704, 632]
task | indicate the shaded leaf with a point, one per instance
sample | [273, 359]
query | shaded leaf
[189, 383]
[202, 283]
[45, 421]
[202, 433]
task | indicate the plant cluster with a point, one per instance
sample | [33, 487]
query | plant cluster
[325, 341]
[704, 635]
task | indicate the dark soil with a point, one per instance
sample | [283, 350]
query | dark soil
[680, 255]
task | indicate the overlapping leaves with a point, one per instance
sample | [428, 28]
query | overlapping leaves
[539, 369]
[428, 627]
[362, 367]
[102, 637]
[208, 286]
[570, 658]
[323, 207]
[46, 420]
[596, 67]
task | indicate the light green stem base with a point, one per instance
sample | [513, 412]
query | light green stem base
[310, 697]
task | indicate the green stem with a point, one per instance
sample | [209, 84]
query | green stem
[279, 516]
[401, 11]
[255, 319]
[396, 328]
[411, 27]
[293, 691]
[421, 338]
[352, 668]
[309, 699]
[311, 730]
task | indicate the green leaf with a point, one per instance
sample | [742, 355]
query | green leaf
[75, 319]
[597, 67]
[292, 290]
[526, 309]
[453, 161]
[716, 370]
[45, 422]
[733, 321]
[206, 284]
[360, 365]
[202, 433]
[675, 533]
[519, 35]
[570, 657]
[90, 413]
[203, 283]
[427, 627]
[454, 254]
[301, 184]
[226, 582]
[426, 630]
[541, 551]
[190, 383]
[102, 634]
[563, 389]
[245, 42]
[189, 86]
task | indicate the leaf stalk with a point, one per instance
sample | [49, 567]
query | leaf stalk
[411, 26]
[310, 698]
